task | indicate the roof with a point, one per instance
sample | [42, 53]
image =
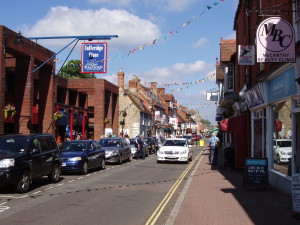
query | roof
[228, 48]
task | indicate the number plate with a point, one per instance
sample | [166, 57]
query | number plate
[63, 164]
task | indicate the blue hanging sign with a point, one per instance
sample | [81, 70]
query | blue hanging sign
[93, 57]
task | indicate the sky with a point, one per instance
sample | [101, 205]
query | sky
[172, 42]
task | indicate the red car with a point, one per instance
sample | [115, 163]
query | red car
[196, 137]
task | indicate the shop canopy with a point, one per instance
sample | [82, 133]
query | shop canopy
[214, 130]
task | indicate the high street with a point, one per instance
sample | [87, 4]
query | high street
[139, 192]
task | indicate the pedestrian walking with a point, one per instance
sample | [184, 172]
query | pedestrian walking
[127, 139]
[213, 145]
[140, 148]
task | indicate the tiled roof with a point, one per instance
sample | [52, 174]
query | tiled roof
[228, 48]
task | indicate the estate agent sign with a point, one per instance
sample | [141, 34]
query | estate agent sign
[275, 41]
[93, 57]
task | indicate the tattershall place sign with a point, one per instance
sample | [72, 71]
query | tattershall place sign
[275, 41]
[93, 57]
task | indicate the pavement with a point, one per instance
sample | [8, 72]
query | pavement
[216, 196]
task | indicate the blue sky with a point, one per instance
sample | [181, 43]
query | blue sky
[188, 53]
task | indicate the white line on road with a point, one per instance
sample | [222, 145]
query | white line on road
[36, 192]
[59, 185]
[48, 188]
[4, 196]
[79, 178]
[70, 181]
[3, 203]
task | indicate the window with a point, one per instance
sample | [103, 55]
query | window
[230, 77]
[45, 144]
[297, 19]
[282, 137]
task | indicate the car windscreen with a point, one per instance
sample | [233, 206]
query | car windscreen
[73, 146]
[132, 141]
[284, 143]
[187, 137]
[109, 142]
[175, 143]
[14, 145]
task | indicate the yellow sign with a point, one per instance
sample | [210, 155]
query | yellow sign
[201, 142]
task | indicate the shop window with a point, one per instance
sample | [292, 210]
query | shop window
[282, 137]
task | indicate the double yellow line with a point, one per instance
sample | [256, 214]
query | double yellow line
[164, 202]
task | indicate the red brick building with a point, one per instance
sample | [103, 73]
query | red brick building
[31, 86]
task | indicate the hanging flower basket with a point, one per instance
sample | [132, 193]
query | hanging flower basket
[9, 111]
[57, 116]
[106, 120]
[122, 122]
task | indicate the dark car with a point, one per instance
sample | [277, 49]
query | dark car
[26, 157]
[116, 150]
[189, 139]
[133, 142]
[81, 155]
[152, 145]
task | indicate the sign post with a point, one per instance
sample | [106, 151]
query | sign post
[256, 173]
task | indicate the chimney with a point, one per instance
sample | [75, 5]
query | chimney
[121, 75]
[161, 90]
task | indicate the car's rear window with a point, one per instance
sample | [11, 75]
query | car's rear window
[109, 142]
[73, 146]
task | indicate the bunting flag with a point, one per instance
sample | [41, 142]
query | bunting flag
[163, 37]
[187, 84]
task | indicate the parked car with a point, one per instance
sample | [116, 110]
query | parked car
[152, 145]
[189, 139]
[282, 150]
[175, 149]
[116, 150]
[81, 155]
[134, 149]
[24, 158]
[196, 137]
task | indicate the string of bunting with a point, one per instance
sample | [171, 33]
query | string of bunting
[162, 37]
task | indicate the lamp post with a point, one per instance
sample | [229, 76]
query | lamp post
[122, 122]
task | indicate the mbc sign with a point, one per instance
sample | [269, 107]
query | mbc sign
[275, 41]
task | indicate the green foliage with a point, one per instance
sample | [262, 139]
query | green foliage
[206, 122]
[71, 70]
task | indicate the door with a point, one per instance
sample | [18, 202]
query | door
[35, 149]
[47, 155]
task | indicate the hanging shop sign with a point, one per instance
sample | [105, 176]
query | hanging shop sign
[255, 96]
[157, 114]
[212, 96]
[246, 54]
[93, 57]
[275, 41]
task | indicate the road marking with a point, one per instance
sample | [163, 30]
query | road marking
[36, 192]
[4, 196]
[88, 175]
[3, 203]
[167, 198]
[59, 185]
[3, 208]
[79, 178]
[48, 188]
[70, 181]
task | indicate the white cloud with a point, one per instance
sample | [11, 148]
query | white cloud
[168, 5]
[202, 42]
[113, 2]
[178, 72]
[65, 21]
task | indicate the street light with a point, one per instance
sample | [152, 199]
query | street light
[122, 122]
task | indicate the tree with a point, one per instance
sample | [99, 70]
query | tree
[71, 70]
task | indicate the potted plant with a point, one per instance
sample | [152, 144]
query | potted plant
[9, 111]
[57, 116]
[106, 120]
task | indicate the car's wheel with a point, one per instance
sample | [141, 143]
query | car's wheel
[103, 165]
[84, 168]
[55, 175]
[120, 160]
[278, 159]
[23, 184]
[130, 157]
